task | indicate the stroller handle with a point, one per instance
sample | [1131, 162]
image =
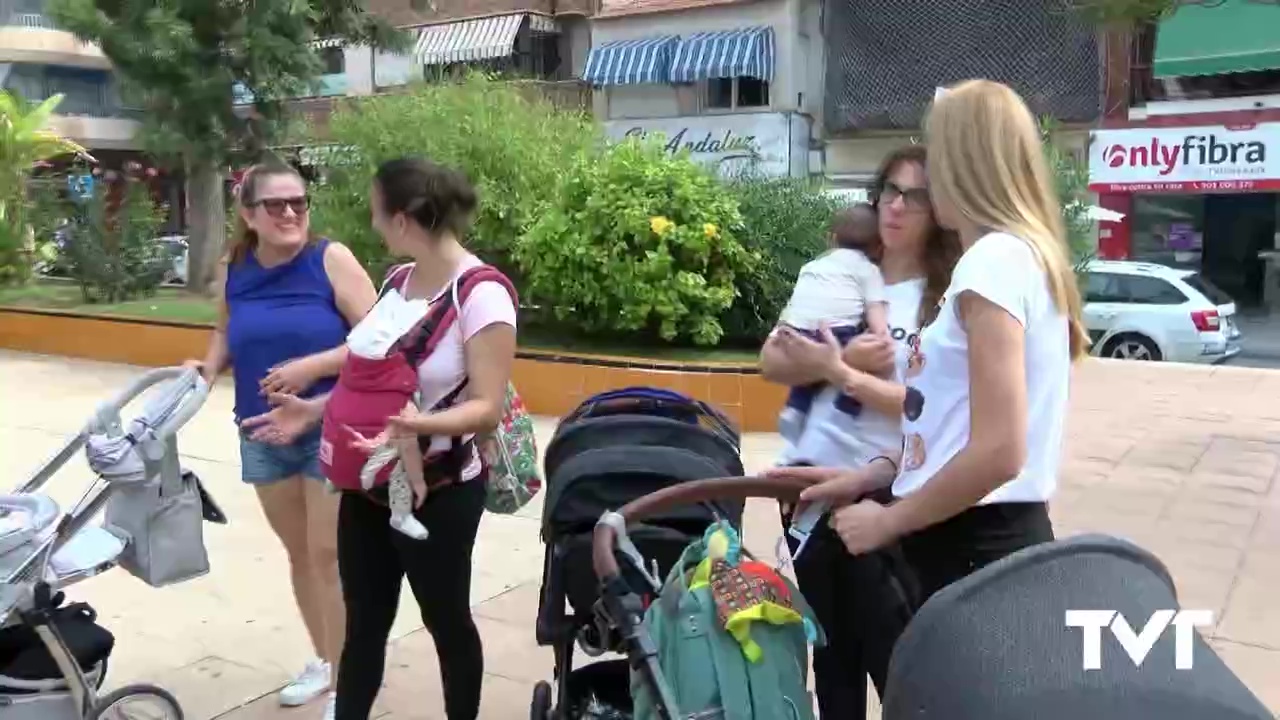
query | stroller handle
[193, 385]
[605, 536]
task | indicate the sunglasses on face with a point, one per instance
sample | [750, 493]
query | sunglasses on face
[915, 199]
[275, 206]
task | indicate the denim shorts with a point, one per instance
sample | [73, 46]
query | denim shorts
[264, 463]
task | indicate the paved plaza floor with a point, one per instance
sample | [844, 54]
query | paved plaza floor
[1181, 459]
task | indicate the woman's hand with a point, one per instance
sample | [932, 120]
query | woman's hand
[290, 378]
[864, 527]
[286, 421]
[199, 366]
[820, 358]
[836, 486]
[870, 353]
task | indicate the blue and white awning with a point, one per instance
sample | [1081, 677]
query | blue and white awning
[727, 54]
[631, 62]
[468, 40]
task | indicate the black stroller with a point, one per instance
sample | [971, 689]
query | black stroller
[614, 448]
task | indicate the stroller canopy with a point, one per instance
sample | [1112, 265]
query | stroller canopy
[634, 442]
[996, 646]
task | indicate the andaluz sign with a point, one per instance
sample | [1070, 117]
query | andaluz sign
[760, 141]
[1188, 159]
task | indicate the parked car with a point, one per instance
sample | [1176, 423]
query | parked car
[1144, 311]
[176, 247]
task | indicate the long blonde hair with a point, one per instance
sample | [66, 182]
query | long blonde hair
[987, 162]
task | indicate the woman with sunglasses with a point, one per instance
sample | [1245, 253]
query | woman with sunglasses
[289, 299]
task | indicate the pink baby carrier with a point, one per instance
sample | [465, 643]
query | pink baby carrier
[369, 391]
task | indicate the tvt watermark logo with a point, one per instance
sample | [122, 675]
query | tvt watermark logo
[1138, 644]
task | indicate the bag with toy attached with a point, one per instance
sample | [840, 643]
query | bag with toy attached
[732, 636]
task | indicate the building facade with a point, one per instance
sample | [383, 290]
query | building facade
[38, 60]
[1190, 150]
[738, 84]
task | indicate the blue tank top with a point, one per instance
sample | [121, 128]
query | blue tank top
[278, 314]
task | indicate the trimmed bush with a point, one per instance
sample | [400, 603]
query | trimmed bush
[638, 241]
[515, 149]
[785, 224]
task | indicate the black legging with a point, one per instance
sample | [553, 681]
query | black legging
[862, 602]
[373, 558]
[944, 553]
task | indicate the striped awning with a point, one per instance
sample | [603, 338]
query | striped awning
[468, 40]
[323, 43]
[747, 52]
[631, 62]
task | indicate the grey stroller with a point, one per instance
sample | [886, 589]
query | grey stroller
[53, 657]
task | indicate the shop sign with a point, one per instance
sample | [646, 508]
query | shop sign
[759, 141]
[1186, 159]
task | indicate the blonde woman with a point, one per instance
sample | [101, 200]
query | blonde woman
[986, 397]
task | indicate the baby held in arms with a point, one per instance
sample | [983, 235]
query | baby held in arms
[407, 485]
[843, 290]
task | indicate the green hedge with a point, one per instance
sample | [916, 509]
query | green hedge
[604, 240]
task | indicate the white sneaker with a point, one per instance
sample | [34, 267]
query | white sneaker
[309, 685]
[331, 708]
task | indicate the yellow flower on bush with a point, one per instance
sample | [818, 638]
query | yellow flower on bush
[660, 225]
[710, 230]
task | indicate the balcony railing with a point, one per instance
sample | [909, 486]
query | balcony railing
[25, 13]
[329, 86]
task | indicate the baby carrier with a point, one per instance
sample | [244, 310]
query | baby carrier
[370, 390]
[613, 448]
[53, 655]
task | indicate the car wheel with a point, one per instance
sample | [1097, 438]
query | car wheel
[1132, 346]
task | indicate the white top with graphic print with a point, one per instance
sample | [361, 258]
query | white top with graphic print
[1004, 270]
[833, 439]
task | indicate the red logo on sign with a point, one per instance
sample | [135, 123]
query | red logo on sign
[1194, 150]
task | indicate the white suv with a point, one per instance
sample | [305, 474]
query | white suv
[1144, 311]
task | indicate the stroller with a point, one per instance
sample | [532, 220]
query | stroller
[53, 657]
[613, 448]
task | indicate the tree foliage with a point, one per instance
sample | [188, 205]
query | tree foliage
[1071, 180]
[25, 140]
[513, 146]
[180, 61]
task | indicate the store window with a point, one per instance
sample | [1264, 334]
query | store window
[1168, 229]
[740, 93]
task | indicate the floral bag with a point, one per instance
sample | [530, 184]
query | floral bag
[510, 453]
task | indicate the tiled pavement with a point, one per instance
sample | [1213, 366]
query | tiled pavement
[1181, 459]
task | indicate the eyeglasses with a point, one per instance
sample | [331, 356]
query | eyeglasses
[275, 206]
[914, 199]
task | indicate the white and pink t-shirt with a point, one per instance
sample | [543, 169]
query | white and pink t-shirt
[445, 368]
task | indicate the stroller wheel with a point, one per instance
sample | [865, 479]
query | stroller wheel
[540, 708]
[136, 702]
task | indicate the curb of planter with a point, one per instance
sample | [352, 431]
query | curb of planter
[552, 383]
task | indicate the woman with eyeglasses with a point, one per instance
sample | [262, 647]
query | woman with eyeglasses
[863, 602]
[288, 301]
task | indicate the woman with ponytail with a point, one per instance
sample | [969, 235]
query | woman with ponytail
[288, 301]
[987, 382]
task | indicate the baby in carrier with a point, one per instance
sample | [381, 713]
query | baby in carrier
[407, 481]
[359, 448]
[842, 289]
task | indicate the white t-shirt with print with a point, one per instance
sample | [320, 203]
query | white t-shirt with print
[442, 371]
[1004, 270]
[832, 438]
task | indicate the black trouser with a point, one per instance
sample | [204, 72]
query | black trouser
[863, 603]
[373, 558]
[944, 553]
